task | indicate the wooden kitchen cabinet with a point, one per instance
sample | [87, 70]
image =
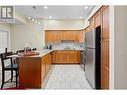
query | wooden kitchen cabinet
[46, 64]
[91, 23]
[73, 57]
[97, 19]
[52, 36]
[79, 36]
[67, 35]
[56, 56]
[105, 48]
[66, 56]
[33, 70]
[63, 56]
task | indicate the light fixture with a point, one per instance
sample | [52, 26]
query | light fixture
[45, 7]
[86, 7]
[50, 17]
[33, 19]
[29, 17]
[39, 22]
[36, 21]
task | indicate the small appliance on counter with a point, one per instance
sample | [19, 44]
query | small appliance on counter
[49, 47]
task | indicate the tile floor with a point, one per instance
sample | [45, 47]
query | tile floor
[67, 77]
[61, 77]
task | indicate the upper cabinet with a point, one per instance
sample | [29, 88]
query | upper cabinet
[91, 23]
[97, 19]
[52, 36]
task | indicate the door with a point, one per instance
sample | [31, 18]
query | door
[90, 66]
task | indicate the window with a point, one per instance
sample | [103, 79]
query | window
[3, 41]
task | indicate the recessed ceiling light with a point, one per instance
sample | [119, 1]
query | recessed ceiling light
[86, 7]
[50, 17]
[29, 17]
[33, 19]
[45, 7]
[36, 21]
[39, 22]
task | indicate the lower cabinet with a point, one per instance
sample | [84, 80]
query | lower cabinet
[46, 64]
[66, 56]
[33, 70]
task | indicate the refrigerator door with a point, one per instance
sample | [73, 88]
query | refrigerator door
[90, 66]
[90, 39]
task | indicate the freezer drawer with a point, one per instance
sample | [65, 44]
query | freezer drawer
[90, 66]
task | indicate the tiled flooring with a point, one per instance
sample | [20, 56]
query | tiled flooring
[67, 77]
[61, 77]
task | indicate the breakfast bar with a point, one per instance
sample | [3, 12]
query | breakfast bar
[33, 69]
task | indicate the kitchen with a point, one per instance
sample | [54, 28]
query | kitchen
[62, 39]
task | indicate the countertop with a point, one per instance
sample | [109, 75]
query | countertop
[41, 54]
[69, 49]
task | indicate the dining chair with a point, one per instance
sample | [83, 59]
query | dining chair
[12, 66]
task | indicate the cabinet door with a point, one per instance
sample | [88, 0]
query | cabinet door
[97, 19]
[63, 57]
[52, 36]
[57, 58]
[91, 26]
[73, 57]
[47, 37]
[105, 65]
[105, 49]
[43, 66]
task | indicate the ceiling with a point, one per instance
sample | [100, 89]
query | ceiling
[55, 12]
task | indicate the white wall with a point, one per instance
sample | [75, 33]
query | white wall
[6, 27]
[120, 28]
[64, 24]
[23, 33]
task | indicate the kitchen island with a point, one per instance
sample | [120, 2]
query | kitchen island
[33, 69]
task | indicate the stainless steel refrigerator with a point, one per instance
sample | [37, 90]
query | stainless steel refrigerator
[93, 53]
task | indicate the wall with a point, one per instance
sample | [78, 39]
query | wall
[6, 27]
[23, 33]
[64, 24]
[120, 28]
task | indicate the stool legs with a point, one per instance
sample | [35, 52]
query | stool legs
[16, 78]
[3, 77]
[11, 75]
